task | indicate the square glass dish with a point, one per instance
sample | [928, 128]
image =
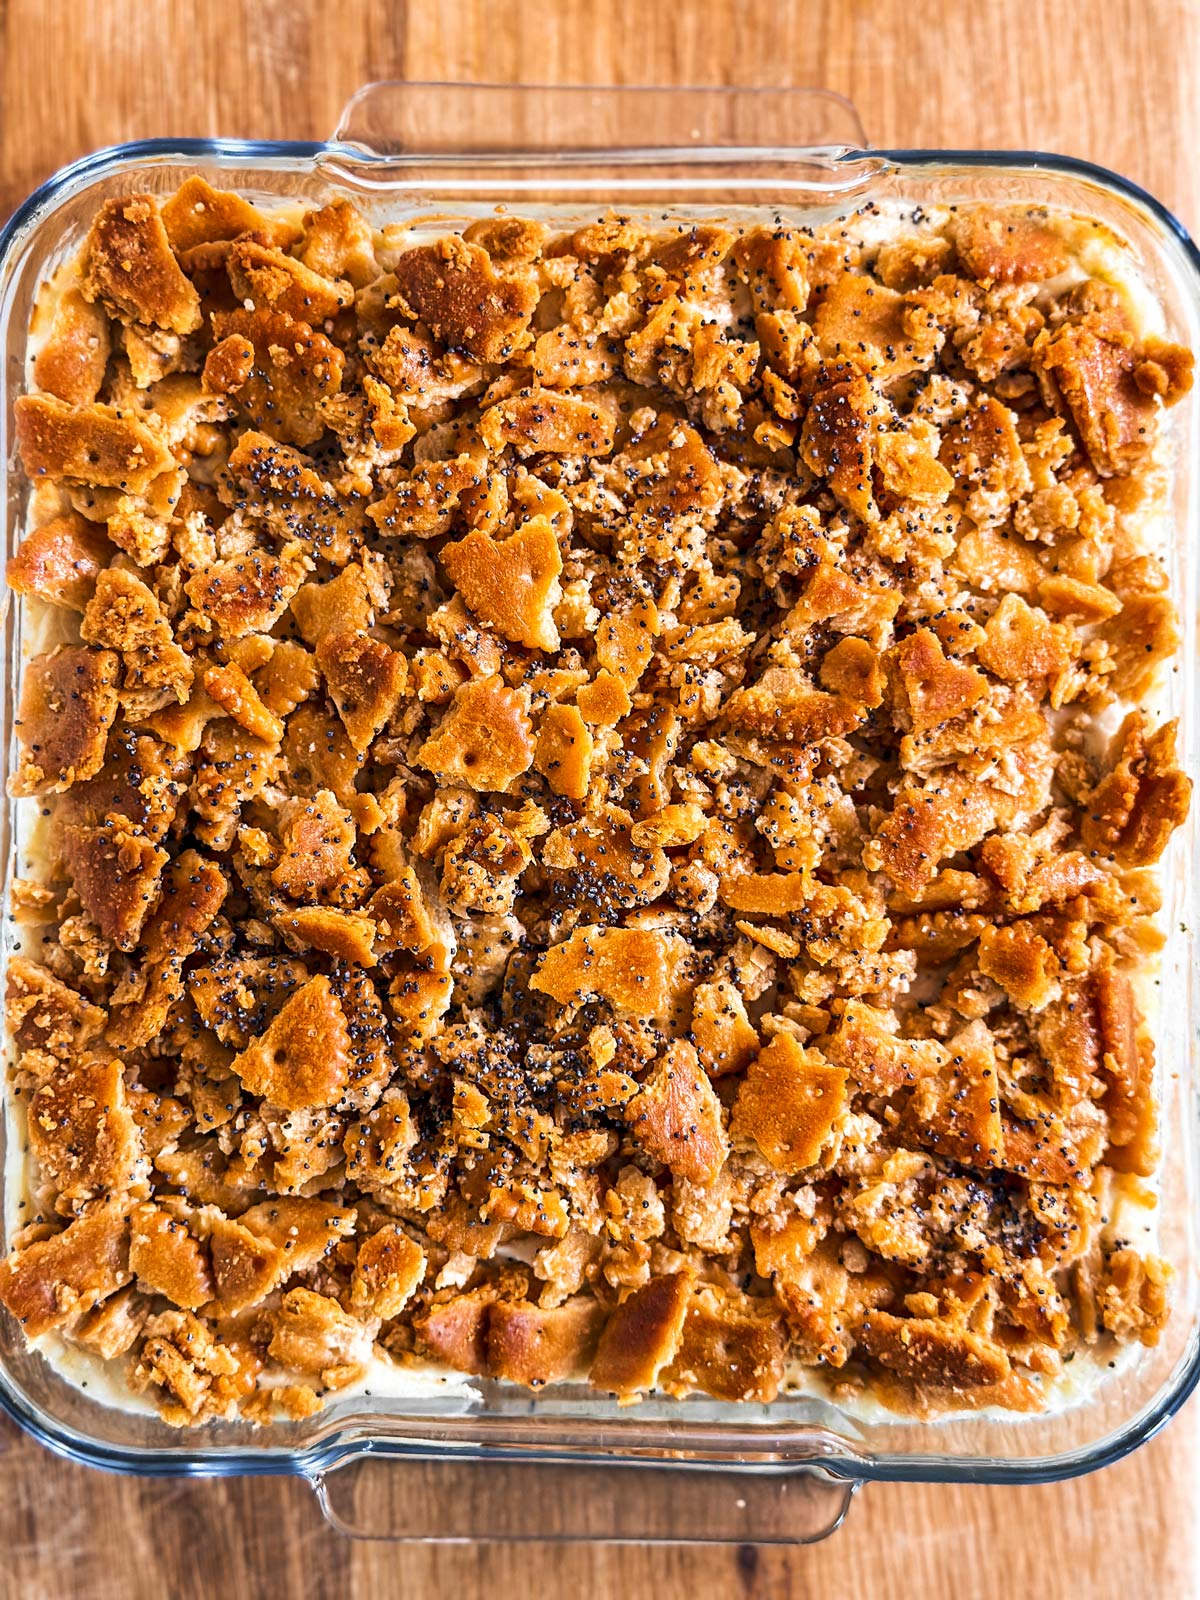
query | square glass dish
[565, 155]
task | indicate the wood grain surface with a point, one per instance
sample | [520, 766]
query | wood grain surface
[1116, 81]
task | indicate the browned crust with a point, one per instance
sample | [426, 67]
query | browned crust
[129, 265]
[453, 286]
[94, 444]
[573, 843]
[642, 1336]
[68, 703]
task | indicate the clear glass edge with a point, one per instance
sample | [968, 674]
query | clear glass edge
[355, 1441]
[817, 107]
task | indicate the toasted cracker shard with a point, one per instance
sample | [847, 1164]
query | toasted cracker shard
[676, 1117]
[722, 1032]
[485, 740]
[511, 584]
[193, 892]
[55, 1281]
[166, 1259]
[60, 561]
[639, 971]
[69, 701]
[124, 615]
[72, 361]
[1009, 245]
[93, 444]
[1141, 800]
[229, 687]
[453, 286]
[44, 1013]
[867, 1044]
[564, 751]
[318, 837]
[344, 934]
[1091, 364]
[387, 1272]
[365, 679]
[198, 214]
[295, 368]
[790, 1103]
[128, 264]
[314, 1337]
[81, 1132]
[538, 421]
[454, 1331]
[642, 1336]
[733, 1347]
[303, 1059]
[957, 1111]
[246, 594]
[535, 1345]
[269, 277]
[1133, 1298]
[928, 1352]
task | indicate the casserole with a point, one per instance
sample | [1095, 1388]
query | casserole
[562, 154]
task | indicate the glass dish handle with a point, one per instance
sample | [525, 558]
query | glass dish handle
[426, 1499]
[503, 142]
[448, 123]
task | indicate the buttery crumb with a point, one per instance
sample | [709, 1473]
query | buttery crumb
[577, 841]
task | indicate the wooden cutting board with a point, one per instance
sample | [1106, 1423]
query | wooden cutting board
[1117, 81]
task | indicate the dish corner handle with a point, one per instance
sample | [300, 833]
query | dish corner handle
[391, 118]
[441, 1500]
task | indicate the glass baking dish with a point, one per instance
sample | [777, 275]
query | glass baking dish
[781, 1472]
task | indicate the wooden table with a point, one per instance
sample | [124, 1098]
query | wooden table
[1113, 80]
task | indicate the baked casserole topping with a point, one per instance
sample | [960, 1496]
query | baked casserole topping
[592, 816]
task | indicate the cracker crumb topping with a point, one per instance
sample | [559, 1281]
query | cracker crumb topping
[578, 843]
